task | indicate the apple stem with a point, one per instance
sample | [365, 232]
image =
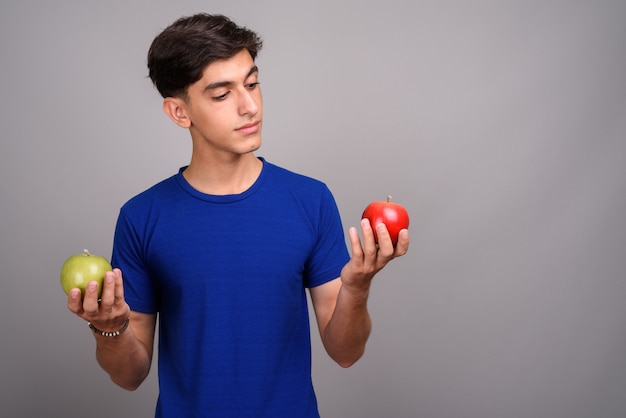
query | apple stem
[86, 251]
[388, 198]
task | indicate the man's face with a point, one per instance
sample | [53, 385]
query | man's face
[225, 107]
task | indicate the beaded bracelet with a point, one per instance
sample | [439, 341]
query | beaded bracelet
[109, 333]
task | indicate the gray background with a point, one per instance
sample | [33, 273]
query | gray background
[500, 125]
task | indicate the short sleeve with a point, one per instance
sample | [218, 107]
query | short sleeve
[129, 256]
[330, 253]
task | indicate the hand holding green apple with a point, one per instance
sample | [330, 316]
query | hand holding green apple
[80, 269]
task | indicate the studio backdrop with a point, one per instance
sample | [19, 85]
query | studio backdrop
[499, 125]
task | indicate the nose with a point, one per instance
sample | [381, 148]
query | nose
[250, 102]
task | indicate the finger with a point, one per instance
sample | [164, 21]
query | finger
[369, 242]
[90, 302]
[355, 241]
[108, 292]
[119, 286]
[74, 302]
[403, 243]
[385, 246]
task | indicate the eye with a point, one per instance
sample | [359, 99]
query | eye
[252, 86]
[221, 96]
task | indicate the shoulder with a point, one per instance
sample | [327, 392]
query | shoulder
[292, 189]
[291, 178]
[159, 193]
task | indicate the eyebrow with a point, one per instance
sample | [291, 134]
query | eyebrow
[219, 84]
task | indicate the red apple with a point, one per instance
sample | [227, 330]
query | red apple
[80, 269]
[394, 216]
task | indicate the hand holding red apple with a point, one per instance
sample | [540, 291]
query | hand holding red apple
[393, 215]
[369, 256]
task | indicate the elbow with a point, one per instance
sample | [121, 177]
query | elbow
[349, 361]
[346, 364]
[129, 379]
[130, 388]
[129, 385]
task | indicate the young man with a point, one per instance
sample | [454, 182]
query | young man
[224, 250]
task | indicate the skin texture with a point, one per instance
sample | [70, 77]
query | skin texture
[223, 112]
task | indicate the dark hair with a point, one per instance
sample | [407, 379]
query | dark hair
[179, 54]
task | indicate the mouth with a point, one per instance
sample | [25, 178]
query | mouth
[249, 128]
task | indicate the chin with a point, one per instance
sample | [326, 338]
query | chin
[255, 146]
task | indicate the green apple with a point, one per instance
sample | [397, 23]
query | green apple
[80, 269]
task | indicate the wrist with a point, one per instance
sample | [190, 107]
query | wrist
[357, 293]
[113, 333]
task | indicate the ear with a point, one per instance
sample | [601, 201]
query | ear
[176, 109]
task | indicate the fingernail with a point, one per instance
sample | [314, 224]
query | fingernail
[108, 278]
[75, 293]
[92, 286]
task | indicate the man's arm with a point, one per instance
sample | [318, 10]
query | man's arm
[341, 305]
[126, 357]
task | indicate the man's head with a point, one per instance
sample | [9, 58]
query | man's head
[179, 55]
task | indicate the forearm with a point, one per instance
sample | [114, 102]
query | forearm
[124, 358]
[349, 327]
[341, 305]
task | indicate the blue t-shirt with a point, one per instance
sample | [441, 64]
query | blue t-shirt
[227, 276]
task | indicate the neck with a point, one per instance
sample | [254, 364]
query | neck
[233, 175]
